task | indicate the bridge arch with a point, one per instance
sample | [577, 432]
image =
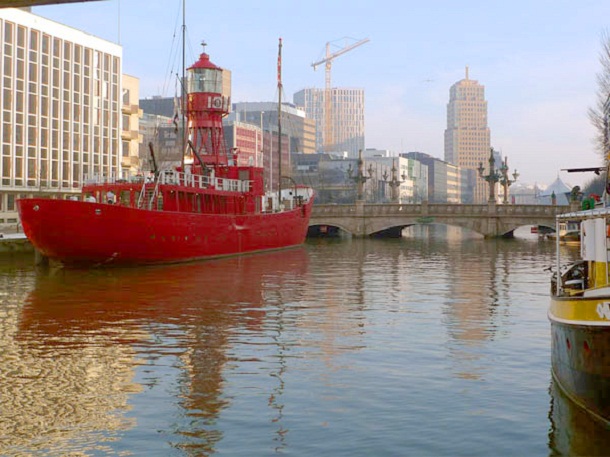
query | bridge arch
[489, 220]
[396, 230]
[327, 229]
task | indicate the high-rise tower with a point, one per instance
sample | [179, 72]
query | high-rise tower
[347, 117]
[467, 142]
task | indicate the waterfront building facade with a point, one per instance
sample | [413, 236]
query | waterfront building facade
[300, 129]
[161, 126]
[444, 180]
[160, 106]
[245, 142]
[252, 146]
[467, 137]
[61, 108]
[347, 123]
[468, 183]
[162, 133]
[388, 179]
[328, 174]
[389, 172]
[418, 172]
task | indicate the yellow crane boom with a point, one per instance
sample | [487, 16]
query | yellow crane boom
[328, 106]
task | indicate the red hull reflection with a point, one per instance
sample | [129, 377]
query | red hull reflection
[223, 291]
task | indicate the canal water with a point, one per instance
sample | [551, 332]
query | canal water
[436, 344]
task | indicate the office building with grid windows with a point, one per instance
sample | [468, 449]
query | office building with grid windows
[60, 109]
[347, 118]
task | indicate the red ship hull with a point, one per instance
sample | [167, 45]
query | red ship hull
[210, 206]
[86, 233]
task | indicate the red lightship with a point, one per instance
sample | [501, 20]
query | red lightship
[210, 207]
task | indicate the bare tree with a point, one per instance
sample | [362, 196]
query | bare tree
[598, 114]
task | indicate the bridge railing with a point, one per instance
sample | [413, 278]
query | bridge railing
[334, 210]
[393, 209]
[396, 209]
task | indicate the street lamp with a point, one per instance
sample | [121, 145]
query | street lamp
[360, 178]
[395, 184]
[504, 180]
[492, 178]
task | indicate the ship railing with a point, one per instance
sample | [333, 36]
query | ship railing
[173, 177]
[169, 177]
[112, 179]
[233, 185]
[203, 182]
[197, 181]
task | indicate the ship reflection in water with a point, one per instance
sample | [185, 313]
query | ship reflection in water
[101, 328]
[573, 431]
[433, 344]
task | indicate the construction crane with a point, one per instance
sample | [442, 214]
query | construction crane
[328, 106]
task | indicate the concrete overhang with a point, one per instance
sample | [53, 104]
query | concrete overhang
[29, 3]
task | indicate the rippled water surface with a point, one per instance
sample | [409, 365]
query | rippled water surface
[434, 344]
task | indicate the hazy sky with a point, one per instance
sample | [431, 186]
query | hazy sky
[537, 59]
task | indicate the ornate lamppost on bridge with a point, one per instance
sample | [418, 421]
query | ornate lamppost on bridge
[395, 184]
[492, 177]
[506, 183]
[360, 178]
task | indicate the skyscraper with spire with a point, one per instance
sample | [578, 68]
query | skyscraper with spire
[467, 138]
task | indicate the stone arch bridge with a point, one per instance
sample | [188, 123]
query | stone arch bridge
[490, 220]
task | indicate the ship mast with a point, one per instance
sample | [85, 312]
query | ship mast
[183, 83]
[279, 119]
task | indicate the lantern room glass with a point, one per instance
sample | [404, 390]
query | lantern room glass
[205, 80]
